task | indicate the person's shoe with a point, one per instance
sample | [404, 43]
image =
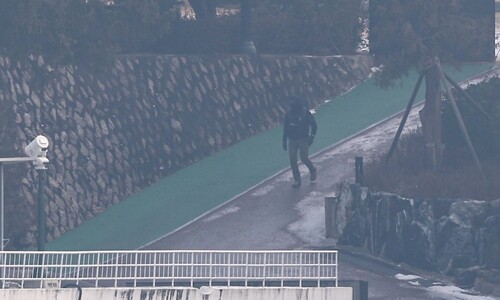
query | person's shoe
[296, 184]
[314, 175]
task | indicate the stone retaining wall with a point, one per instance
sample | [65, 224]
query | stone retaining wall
[144, 118]
[456, 237]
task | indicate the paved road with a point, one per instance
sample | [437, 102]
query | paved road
[273, 215]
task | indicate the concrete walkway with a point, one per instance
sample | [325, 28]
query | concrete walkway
[273, 215]
[208, 184]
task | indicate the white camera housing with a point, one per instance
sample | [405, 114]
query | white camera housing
[37, 150]
[38, 147]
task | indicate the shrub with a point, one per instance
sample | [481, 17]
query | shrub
[458, 177]
[483, 130]
[207, 36]
[404, 173]
[304, 28]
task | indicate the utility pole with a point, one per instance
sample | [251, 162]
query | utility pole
[247, 46]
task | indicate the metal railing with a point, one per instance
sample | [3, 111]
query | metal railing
[139, 268]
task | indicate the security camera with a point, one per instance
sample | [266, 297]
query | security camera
[38, 147]
[37, 150]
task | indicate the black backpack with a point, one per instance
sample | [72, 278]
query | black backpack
[297, 124]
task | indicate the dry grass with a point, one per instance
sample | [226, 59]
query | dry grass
[404, 174]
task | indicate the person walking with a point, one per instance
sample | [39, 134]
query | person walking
[298, 134]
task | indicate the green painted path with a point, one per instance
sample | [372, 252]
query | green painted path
[187, 194]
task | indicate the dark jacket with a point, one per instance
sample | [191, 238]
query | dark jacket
[299, 123]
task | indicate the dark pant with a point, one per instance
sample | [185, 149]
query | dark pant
[302, 147]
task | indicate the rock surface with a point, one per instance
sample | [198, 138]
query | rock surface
[460, 237]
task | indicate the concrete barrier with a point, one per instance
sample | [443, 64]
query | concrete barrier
[359, 288]
[204, 293]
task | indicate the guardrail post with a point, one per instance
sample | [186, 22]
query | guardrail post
[331, 204]
[358, 167]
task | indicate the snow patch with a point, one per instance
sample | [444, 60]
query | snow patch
[311, 225]
[453, 292]
[406, 277]
[229, 210]
[264, 190]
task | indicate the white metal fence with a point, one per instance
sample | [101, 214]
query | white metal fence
[169, 268]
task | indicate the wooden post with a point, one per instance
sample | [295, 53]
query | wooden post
[405, 116]
[460, 120]
[467, 96]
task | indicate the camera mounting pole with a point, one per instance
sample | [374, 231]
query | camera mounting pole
[3, 162]
[36, 152]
